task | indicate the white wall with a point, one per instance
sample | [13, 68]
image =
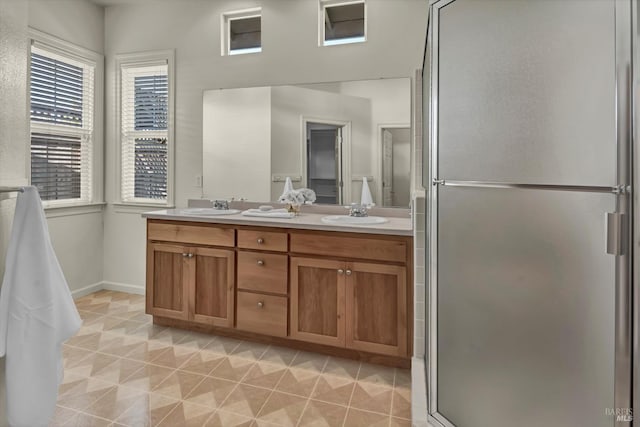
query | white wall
[237, 143]
[290, 55]
[78, 238]
[13, 126]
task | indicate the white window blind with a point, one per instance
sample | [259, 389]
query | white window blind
[145, 133]
[62, 102]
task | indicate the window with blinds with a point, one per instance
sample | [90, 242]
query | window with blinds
[145, 133]
[62, 103]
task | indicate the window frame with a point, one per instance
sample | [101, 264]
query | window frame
[322, 5]
[74, 53]
[225, 28]
[135, 60]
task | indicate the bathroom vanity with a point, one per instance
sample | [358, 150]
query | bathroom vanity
[301, 283]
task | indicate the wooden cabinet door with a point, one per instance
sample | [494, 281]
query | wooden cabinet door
[317, 301]
[168, 270]
[376, 308]
[211, 286]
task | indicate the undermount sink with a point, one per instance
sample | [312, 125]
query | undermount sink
[353, 220]
[209, 211]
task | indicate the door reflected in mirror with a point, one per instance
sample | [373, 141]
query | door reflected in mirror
[325, 136]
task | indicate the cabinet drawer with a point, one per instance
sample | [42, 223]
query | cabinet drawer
[201, 235]
[263, 240]
[349, 247]
[262, 272]
[264, 314]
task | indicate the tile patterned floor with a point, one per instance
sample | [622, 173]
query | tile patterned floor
[122, 370]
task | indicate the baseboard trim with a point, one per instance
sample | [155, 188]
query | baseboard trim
[418, 393]
[78, 293]
[123, 287]
[109, 286]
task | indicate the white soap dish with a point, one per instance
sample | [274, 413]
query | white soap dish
[265, 208]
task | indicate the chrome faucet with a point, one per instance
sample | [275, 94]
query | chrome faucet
[358, 210]
[221, 204]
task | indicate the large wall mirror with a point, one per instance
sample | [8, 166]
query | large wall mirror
[325, 136]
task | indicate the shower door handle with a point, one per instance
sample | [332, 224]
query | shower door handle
[616, 232]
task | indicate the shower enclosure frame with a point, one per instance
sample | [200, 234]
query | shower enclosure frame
[627, 340]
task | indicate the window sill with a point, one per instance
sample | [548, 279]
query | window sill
[138, 208]
[56, 211]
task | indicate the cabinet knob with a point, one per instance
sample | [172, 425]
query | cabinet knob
[185, 255]
[260, 240]
[340, 271]
[348, 272]
[260, 262]
[190, 255]
[260, 304]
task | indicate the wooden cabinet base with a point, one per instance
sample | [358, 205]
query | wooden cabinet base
[398, 362]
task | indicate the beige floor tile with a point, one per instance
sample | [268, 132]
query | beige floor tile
[298, 381]
[196, 341]
[246, 400]
[148, 411]
[400, 422]
[376, 374]
[148, 377]
[232, 368]
[223, 345]
[170, 336]
[264, 374]
[179, 384]
[115, 402]
[86, 420]
[73, 355]
[202, 362]
[372, 397]
[250, 350]
[118, 371]
[173, 357]
[228, 419]
[146, 352]
[357, 418]
[119, 356]
[279, 355]
[282, 409]
[187, 415]
[342, 368]
[92, 366]
[61, 416]
[148, 331]
[403, 378]
[211, 392]
[120, 345]
[309, 361]
[333, 389]
[322, 414]
[401, 406]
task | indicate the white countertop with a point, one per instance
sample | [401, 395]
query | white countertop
[305, 221]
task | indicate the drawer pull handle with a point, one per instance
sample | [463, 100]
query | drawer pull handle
[260, 304]
[348, 272]
[340, 271]
[260, 262]
[260, 240]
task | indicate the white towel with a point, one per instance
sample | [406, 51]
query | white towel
[37, 315]
[273, 213]
[365, 198]
[288, 186]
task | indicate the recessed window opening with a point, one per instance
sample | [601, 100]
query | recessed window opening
[242, 32]
[342, 22]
